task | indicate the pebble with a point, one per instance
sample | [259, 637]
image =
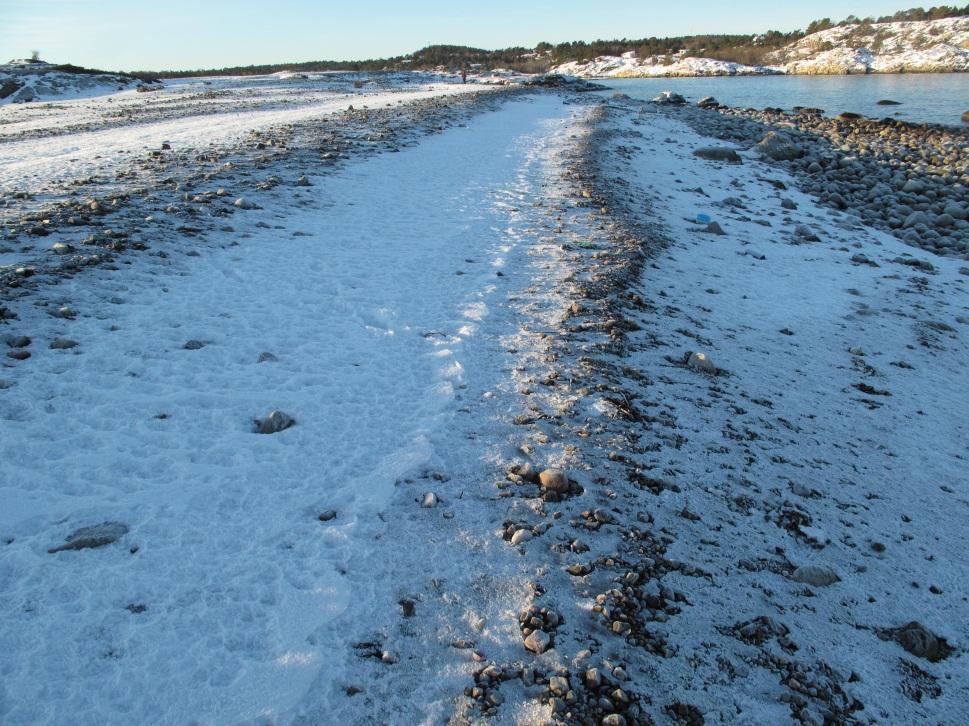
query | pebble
[538, 641]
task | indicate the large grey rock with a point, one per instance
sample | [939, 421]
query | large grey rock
[815, 576]
[718, 153]
[921, 642]
[275, 422]
[668, 98]
[97, 535]
[777, 147]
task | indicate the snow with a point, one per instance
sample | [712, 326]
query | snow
[931, 46]
[246, 592]
[653, 67]
[436, 315]
[38, 156]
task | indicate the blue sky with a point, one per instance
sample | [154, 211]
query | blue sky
[184, 34]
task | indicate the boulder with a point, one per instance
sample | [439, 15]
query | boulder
[777, 147]
[97, 535]
[554, 480]
[965, 117]
[275, 422]
[921, 642]
[708, 102]
[718, 153]
[701, 362]
[815, 576]
[668, 98]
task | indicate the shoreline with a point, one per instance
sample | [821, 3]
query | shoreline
[750, 535]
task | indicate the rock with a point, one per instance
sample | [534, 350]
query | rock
[713, 227]
[522, 535]
[303, 182]
[267, 358]
[538, 642]
[921, 642]
[527, 472]
[806, 234]
[18, 341]
[275, 422]
[194, 345]
[614, 719]
[61, 248]
[668, 98]
[389, 657]
[965, 117]
[65, 313]
[860, 352]
[63, 344]
[554, 480]
[243, 203]
[700, 362]
[788, 204]
[558, 685]
[888, 102]
[777, 147]
[429, 501]
[98, 535]
[708, 102]
[955, 211]
[718, 153]
[816, 576]
[18, 354]
[913, 186]
[944, 220]
[327, 515]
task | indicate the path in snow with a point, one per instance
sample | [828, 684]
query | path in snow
[368, 294]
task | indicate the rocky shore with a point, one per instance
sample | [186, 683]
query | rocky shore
[910, 179]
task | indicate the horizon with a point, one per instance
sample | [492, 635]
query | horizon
[110, 35]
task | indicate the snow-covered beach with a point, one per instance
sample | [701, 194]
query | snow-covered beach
[756, 401]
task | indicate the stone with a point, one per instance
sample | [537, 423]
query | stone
[303, 182]
[668, 98]
[788, 204]
[64, 313]
[713, 227]
[888, 102]
[429, 501]
[913, 186]
[718, 153]
[98, 535]
[815, 576]
[708, 102]
[18, 341]
[965, 117]
[61, 248]
[275, 422]
[779, 148]
[194, 345]
[701, 362]
[558, 685]
[554, 480]
[267, 358]
[522, 535]
[243, 203]
[538, 641]
[327, 515]
[63, 344]
[920, 642]
[389, 657]
[955, 211]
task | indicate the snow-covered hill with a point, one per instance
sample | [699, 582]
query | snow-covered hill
[23, 80]
[628, 66]
[932, 46]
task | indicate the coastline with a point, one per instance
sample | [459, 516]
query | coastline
[746, 536]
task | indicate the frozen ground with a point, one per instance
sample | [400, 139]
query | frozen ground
[515, 279]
